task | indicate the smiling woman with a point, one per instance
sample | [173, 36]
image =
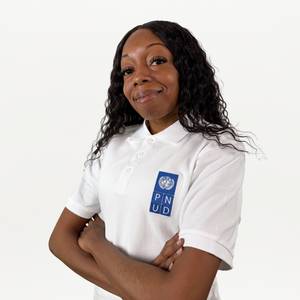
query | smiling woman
[151, 81]
[156, 212]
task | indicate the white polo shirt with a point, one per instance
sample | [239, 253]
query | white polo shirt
[147, 187]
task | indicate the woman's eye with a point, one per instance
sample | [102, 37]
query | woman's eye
[158, 60]
[126, 71]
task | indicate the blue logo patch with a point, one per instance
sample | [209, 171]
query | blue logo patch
[163, 194]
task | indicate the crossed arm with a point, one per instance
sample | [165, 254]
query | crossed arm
[89, 254]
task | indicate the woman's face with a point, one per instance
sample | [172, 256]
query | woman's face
[151, 81]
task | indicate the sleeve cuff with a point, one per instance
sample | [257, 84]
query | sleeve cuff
[83, 212]
[195, 240]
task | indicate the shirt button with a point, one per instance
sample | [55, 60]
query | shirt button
[140, 154]
[128, 170]
[149, 139]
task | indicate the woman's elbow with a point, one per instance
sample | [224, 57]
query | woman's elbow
[52, 244]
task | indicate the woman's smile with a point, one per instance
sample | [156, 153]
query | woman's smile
[147, 95]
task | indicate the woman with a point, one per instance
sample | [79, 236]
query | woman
[167, 160]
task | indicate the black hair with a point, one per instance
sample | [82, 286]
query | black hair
[202, 108]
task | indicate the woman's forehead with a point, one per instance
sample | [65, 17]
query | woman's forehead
[142, 38]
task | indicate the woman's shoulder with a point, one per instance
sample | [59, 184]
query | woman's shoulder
[222, 144]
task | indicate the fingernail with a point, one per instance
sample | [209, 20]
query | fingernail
[171, 265]
[179, 241]
[179, 250]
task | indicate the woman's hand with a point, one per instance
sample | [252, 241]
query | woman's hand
[170, 252]
[93, 231]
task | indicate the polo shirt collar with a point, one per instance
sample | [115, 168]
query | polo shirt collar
[174, 133]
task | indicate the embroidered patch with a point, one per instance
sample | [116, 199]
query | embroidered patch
[163, 194]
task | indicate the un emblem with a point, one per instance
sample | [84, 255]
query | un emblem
[163, 194]
[166, 183]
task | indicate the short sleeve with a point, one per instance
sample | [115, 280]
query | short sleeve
[84, 200]
[212, 208]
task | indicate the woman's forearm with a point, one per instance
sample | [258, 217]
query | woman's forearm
[82, 263]
[132, 279]
[190, 278]
[63, 244]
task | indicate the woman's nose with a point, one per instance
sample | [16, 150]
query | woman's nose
[140, 82]
[142, 75]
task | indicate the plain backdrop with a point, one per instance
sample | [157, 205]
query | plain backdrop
[55, 63]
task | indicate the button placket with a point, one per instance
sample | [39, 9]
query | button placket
[133, 164]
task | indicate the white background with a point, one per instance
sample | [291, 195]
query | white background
[55, 63]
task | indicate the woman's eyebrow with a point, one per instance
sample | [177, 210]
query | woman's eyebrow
[154, 44]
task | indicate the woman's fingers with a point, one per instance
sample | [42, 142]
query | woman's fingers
[165, 252]
[94, 230]
[171, 250]
[95, 220]
[96, 216]
[168, 264]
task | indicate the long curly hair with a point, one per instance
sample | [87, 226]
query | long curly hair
[202, 108]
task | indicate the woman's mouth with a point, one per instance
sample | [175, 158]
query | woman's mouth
[146, 95]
